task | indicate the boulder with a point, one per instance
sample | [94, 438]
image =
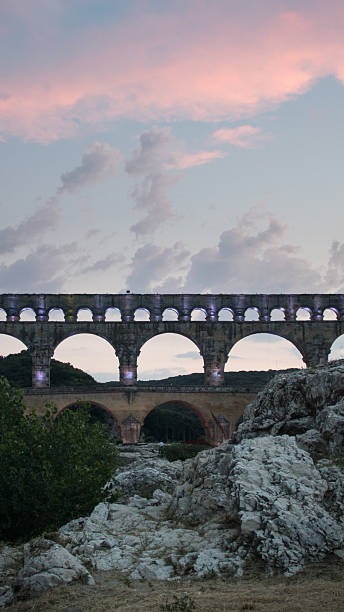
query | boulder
[297, 403]
[271, 491]
[48, 564]
[143, 476]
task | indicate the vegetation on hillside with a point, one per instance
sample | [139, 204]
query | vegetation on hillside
[17, 369]
[52, 468]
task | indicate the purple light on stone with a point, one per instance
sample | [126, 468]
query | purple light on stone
[40, 375]
[129, 375]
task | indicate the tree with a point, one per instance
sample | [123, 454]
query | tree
[52, 468]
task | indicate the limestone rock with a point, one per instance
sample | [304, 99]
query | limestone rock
[272, 491]
[143, 476]
[48, 564]
[296, 403]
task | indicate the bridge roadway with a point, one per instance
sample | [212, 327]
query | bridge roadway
[217, 407]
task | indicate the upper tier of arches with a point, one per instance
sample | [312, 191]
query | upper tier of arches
[163, 307]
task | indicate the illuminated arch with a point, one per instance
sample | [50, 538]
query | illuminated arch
[330, 314]
[303, 314]
[84, 314]
[198, 314]
[11, 345]
[27, 314]
[56, 314]
[252, 314]
[89, 352]
[277, 314]
[168, 354]
[225, 314]
[337, 349]
[141, 314]
[113, 314]
[264, 351]
[3, 314]
[170, 314]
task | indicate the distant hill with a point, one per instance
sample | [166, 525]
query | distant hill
[17, 369]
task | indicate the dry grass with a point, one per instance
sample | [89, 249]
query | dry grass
[320, 587]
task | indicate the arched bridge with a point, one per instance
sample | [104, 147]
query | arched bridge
[213, 337]
[218, 408]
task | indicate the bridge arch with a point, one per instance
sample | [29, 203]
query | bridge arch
[92, 352]
[277, 314]
[84, 314]
[225, 314]
[330, 314]
[56, 314]
[141, 314]
[337, 349]
[113, 314]
[170, 314]
[173, 351]
[79, 403]
[204, 431]
[27, 314]
[265, 351]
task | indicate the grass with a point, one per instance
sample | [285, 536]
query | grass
[318, 587]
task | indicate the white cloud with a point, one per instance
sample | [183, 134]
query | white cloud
[156, 155]
[100, 161]
[42, 220]
[244, 136]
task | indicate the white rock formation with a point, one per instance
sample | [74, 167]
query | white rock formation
[48, 564]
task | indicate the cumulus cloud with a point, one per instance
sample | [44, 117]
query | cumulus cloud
[155, 65]
[34, 226]
[244, 136]
[151, 265]
[158, 153]
[250, 259]
[101, 265]
[98, 162]
[43, 270]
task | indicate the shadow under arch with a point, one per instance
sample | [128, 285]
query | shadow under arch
[98, 413]
[90, 352]
[264, 351]
[172, 431]
[165, 354]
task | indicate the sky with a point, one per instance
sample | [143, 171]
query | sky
[175, 146]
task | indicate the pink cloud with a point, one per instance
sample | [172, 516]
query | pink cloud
[244, 136]
[188, 160]
[203, 61]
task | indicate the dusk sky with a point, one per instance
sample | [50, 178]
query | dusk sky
[172, 146]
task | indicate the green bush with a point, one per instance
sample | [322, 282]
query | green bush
[178, 450]
[52, 468]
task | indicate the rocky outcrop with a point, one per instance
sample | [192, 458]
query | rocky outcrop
[143, 477]
[308, 404]
[48, 564]
[258, 498]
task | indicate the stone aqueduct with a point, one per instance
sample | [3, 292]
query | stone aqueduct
[214, 339]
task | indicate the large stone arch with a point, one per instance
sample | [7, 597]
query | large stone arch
[152, 336]
[201, 416]
[89, 339]
[93, 403]
[295, 342]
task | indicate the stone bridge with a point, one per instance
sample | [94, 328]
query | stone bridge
[213, 337]
[218, 408]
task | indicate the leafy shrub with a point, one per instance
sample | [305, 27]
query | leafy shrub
[52, 468]
[178, 450]
[184, 603]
